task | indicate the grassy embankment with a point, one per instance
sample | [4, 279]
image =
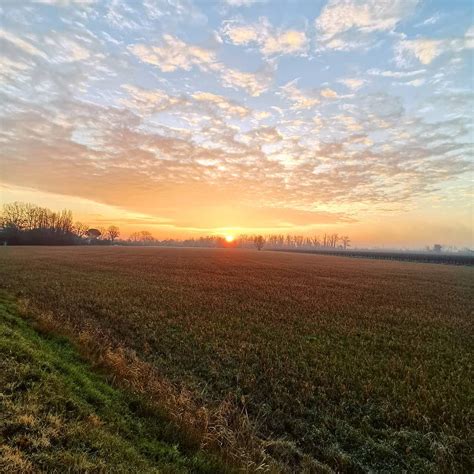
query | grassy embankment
[59, 415]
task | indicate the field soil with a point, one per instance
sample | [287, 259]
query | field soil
[289, 362]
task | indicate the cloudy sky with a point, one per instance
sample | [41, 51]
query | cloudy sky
[187, 117]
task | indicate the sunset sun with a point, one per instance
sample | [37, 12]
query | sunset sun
[229, 238]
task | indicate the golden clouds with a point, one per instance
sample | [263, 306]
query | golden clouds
[269, 40]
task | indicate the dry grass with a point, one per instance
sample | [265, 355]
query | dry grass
[304, 361]
[58, 415]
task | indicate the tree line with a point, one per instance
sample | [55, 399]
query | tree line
[29, 224]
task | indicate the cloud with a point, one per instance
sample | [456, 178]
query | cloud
[21, 44]
[223, 104]
[67, 3]
[328, 93]
[262, 135]
[10, 69]
[299, 99]
[350, 24]
[414, 83]
[396, 74]
[174, 54]
[353, 83]
[243, 3]
[430, 20]
[349, 122]
[164, 173]
[147, 101]
[261, 114]
[254, 84]
[269, 40]
[426, 50]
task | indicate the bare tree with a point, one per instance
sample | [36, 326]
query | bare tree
[333, 240]
[80, 229]
[103, 232]
[113, 232]
[15, 216]
[141, 237]
[346, 242]
[259, 241]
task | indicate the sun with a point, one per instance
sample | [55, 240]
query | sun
[229, 238]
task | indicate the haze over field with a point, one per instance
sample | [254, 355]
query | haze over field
[192, 118]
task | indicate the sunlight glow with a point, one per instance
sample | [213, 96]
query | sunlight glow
[229, 238]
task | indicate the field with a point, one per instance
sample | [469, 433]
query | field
[279, 361]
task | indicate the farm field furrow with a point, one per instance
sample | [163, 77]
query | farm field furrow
[333, 363]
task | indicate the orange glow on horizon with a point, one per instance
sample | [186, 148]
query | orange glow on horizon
[229, 238]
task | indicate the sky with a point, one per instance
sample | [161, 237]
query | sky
[188, 118]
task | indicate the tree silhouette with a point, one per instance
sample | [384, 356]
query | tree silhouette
[259, 242]
[93, 234]
[113, 232]
[80, 229]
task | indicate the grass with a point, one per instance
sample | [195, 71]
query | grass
[304, 362]
[58, 415]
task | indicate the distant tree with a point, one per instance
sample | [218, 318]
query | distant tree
[93, 234]
[259, 241]
[345, 242]
[80, 229]
[143, 237]
[146, 236]
[103, 232]
[113, 232]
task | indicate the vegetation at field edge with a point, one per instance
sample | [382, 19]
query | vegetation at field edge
[58, 415]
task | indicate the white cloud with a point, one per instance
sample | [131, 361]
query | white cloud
[21, 44]
[414, 83]
[242, 3]
[254, 84]
[431, 20]
[352, 83]
[425, 50]
[270, 41]
[222, 103]
[396, 74]
[348, 24]
[67, 3]
[147, 100]
[65, 49]
[174, 54]
[261, 114]
[329, 93]
[349, 122]
[300, 100]
[10, 69]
